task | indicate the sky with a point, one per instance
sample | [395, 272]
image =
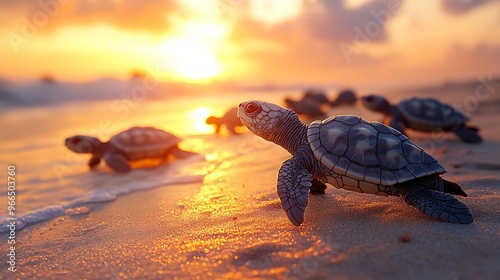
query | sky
[382, 43]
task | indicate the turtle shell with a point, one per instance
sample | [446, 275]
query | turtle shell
[429, 114]
[345, 97]
[368, 151]
[307, 107]
[144, 142]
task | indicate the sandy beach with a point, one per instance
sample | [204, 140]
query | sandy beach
[346, 236]
[217, 216]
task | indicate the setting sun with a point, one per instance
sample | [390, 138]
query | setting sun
[190, 60]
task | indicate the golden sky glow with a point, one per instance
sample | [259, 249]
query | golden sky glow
[276, 11]
[283, 41]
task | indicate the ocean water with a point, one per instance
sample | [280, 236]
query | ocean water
[52, 181]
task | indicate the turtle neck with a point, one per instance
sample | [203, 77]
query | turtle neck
[290, 133]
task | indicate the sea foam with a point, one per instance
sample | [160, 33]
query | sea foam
[113, 186]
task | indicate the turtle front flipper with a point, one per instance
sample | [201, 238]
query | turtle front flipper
[94, 161]
[436, 205]
[468, 134]
[231, 128]
[294, 182]
[216, 121]
[117, 162]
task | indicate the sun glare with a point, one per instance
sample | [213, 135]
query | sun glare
[276, 11]
[199, 115]
[190, 60]
[353, 4]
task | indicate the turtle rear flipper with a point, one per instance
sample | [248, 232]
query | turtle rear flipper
[293, 187]
[317, 187]
[117, 162]
[94, 161]
[468, 134]
[436, 205]
[453, 188]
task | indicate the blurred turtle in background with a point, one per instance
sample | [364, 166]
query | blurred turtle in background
[345, 98]
[230, 120]
[306, 107]
[423, 115]
[316, 94]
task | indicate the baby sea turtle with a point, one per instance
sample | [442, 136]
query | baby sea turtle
[133, 144]
[345, 97]
[316, 94]
[351, 153]
[230, 120]
[306, 107]
[423, 115]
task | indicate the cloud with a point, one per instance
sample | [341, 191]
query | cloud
[149, 16]
[307, 47]
[332, 21]
[462, 6]
[322, 22]
[327, 21]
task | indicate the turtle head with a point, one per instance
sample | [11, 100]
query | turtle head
[376, 103]
[263, 118]
[212, 120]
[82, 144]
[289, 102]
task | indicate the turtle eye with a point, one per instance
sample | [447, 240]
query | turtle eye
[76, 141]
[369, 98]
[252, 108]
